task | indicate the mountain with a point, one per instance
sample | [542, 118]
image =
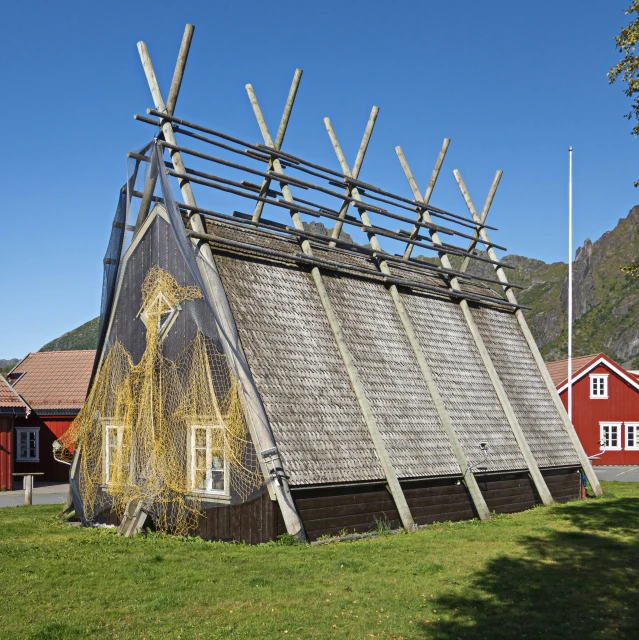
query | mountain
[7, 365]
[83, 337]
[606, 301]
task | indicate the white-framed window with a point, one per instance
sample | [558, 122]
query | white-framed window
[209, 472]
[28, 444]
[632, 435]
[166, 314]
[112, 443]
[599, 386]
[611, 435]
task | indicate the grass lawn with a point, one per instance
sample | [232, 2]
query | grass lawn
[568, 571]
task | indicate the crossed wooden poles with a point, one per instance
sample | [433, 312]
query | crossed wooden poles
[258, 422]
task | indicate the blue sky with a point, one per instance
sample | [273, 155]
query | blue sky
[512, 84]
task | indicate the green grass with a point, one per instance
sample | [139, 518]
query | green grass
[569, 571]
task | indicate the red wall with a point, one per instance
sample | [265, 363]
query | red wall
[622, 405]
[6, 457]
[51, 428]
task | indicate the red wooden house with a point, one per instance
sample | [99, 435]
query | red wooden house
[605, 407]
[54, 386]
[11, 407]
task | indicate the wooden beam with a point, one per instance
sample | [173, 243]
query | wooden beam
[336, 329]
[484, 213]
[429, 191]
[504, 401]
[279, 139]
[427, 375]
[359, 159]
[539, 361]
[254, 410]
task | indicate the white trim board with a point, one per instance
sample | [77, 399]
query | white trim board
[595, 363]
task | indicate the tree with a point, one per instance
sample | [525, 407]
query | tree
[628, 71]
[628, 68]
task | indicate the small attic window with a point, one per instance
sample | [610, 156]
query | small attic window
[166, 317]
[599, 386]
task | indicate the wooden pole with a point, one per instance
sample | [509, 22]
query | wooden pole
[28, 489]
[174, 91]
[279, 139]
[539, 361]
[429, 192]
[482, 218]
[359, 159]
[504, 401]
[427, 375]
[336, 329]
[255, 412]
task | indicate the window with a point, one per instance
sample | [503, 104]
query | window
[166, 314]
[208, 466]
[632, 435]
[28, 439]
[611, 435]
[112, 443]
[599, 386]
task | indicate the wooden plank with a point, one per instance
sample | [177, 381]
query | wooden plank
[346, 510]
[515, 508]
[442, 509]
[436, 491]
[336, 500]
[348, 521]
[235, 524]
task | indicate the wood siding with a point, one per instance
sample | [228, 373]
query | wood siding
[358, 509]
[335, 510]
[622, 405]
[6, 453]
[252, 522]
[51, 428]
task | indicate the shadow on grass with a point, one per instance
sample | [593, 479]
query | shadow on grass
[569, 585]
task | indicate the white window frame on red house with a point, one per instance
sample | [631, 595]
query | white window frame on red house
[632, 427]
[606, 438]
[599, 386]
[20, 431]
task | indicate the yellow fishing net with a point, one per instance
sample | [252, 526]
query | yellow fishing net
[162, 433]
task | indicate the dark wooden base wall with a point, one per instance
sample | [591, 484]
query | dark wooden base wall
[331, 511]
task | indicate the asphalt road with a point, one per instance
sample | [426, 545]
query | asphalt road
[43, 493]
[621, 474]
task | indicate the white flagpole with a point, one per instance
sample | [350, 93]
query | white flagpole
[570, 283]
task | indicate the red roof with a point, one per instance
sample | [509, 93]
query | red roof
[54, 379]
[9, 399]
[559, 368]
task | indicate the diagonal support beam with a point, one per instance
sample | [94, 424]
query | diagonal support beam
[359, 159]
[504, 401]
[174, 91]
[427, 375]
[279, 139]
[482, 218]
[539, 361]
[338, 335]
[429, 192]
[255, 412]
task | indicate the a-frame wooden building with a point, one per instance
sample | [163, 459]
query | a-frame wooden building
[374, 384]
